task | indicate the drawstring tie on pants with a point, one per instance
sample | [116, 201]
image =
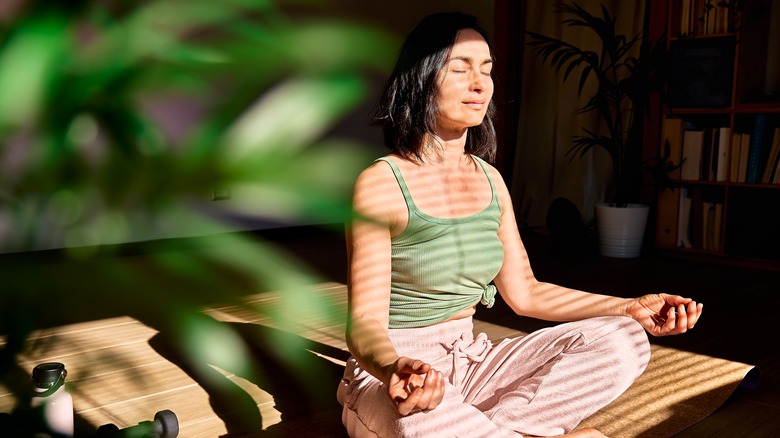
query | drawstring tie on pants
[475, 352]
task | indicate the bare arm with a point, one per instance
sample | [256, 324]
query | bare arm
[660, 314]
[368, 250]
[411, 384]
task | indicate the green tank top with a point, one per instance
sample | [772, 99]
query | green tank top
[441, 266]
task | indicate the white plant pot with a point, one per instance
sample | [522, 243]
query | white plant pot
[621, 230]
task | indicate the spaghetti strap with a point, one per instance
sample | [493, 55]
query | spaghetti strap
[401, 182]
[484, 166]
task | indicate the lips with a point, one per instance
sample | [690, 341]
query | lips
[475, 104]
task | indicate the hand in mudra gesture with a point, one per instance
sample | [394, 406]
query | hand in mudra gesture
[414, 386]
[664, 314]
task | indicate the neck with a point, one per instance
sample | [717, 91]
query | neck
[448, 151]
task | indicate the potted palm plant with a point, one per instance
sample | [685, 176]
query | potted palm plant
[627, 71]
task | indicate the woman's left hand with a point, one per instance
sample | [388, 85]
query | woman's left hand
[663, 314]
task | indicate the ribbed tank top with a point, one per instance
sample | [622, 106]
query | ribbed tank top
[441, 266]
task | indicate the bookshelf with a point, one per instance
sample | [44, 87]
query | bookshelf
[722, 125]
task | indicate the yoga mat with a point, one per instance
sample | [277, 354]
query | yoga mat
[677, 390]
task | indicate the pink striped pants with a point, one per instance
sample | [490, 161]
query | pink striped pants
[541, 384]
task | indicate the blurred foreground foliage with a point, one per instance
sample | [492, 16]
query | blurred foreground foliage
[117, 119]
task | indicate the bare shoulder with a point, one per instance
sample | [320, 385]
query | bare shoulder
[498, 179]
[378, 177]
[378, 170]
[377, 194]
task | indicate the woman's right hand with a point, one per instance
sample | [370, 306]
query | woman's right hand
[414, 386]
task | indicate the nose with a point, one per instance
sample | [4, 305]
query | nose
[479, 81]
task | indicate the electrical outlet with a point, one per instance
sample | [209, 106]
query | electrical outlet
[220, 193]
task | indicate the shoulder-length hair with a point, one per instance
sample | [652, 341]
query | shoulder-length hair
[407, 109]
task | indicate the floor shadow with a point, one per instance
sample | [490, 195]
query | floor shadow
[287, 366]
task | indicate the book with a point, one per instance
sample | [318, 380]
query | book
[685, 17]
[698, 18]
[776, 177]
[684, 220]
[698, 70]
[773, 156]
[743, 159]
[722, 159]
[673, 136]
[710, 19]
[712, 139]
[712, 221]
[756, 150]
[722, 17]
[776, 172]
[708, 220]
[697, 218]
[692, 150]
[736, 140]
[772, 71]
[666, 226]
[718, 226]
[707, 158]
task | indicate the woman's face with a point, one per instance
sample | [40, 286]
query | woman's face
[465, 86]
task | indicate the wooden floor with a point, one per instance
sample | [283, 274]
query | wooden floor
[122, 372]
[738, 324]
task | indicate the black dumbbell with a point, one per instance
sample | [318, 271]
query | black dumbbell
[165, 425]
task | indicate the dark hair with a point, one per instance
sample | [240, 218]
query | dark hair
[407, 108]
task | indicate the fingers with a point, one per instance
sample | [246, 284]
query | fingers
[687, 316]
[664, 314]
[679, 318]
[412, 366]
[407, 405]
[433, 391]
[419, 394]
[681, 324]
[670, 322]
[676, 320]
[694, 312]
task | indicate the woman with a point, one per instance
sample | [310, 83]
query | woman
[436, 227]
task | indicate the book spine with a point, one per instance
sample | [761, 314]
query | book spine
[734, 158]
[685, 17]
[724, 136]
[756, 144]
[693, 148]
[673, 136]
[773, 156]
[718, 231]
[668, 212]
[683, 220]
[743, 159]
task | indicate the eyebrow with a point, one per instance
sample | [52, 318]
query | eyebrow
[468, 60]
